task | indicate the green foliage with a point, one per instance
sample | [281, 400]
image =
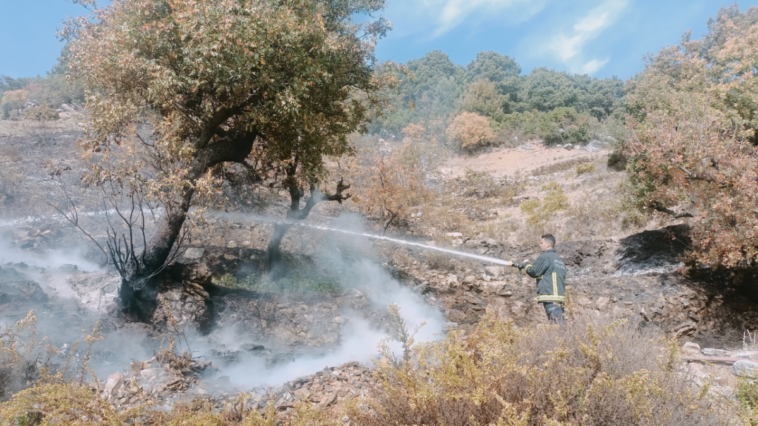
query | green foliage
[559, 126]
[747, 395]
[492, 66]
[297, 282]
[482, 97]
[434, 87]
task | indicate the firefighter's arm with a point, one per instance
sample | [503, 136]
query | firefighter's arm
[538, 268]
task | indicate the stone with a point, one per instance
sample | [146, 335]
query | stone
[112, 385]
[194, 253]
[745, 355]
[470, 279]
[714, 352]
[744, 368]
[454, 235]
[691, 348]
[96, 291]
[451, 280]
[495, 271]
[17, 287]
[448, 326]
[197, 273]
[231, 244]
[602, 302]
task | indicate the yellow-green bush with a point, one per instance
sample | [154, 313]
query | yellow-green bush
[585, 168]
[591, 373]
[538, 212]
[42, 113]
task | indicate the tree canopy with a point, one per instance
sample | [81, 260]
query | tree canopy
[692, 137]
[175, 88]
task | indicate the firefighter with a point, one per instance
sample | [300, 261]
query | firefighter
[550, 273]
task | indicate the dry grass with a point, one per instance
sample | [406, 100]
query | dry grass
[562, 166]
[592, 373]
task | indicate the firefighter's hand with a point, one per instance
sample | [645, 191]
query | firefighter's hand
[520, 266]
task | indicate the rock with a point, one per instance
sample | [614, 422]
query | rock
[470, 279]
[505, 293]
[490, 242]
[96, 291]
[198, 273]
[451, 280]
[454, 235]
[112, 385]
[67, 267]
[714, 352]
[745, 369]
[691, 348]
[602, 302]
[745, 355]
[17, 287]
[231, 244]
[568, 146]
[448, 326]
[193, 253]
[495, 271]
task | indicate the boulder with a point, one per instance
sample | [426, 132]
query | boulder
[17, 287]
[194, 253]
[714, 352]
[95, 291]
[495, 271]
[743, 368]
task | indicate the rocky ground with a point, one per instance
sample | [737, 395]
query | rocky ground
[638, 276]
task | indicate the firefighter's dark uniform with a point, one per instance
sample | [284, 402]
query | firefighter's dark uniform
[550, 272]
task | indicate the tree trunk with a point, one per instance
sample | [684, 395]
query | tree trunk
[139, 285]
[273, 264]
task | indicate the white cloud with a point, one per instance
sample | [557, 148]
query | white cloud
[594, 65]
[568, 45]
[454, 12]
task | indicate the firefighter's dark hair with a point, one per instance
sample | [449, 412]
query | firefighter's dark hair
[550, 239]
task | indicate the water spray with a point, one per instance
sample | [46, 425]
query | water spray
[411, 243]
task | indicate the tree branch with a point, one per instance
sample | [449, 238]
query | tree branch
[660, 208]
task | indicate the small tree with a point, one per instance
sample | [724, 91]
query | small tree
[175, 89]
[14, 100]
[470, 131]
[391, 184]
[415, 132]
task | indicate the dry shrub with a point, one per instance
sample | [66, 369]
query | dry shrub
[391, 184]
[75, 404]
[482, 184]
[539, 212]
[415, 132]
[585, 168]
[42, 113]
[470, 131]
[594, 372]
[561, 166]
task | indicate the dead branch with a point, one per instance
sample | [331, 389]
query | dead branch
[660, 208]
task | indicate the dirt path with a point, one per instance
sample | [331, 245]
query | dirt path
[506, 162]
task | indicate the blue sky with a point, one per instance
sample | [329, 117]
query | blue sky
[598, 37]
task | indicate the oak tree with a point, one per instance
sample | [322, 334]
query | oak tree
[692, 138]
[175, 88]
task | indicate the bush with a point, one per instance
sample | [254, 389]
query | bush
[539, 212]
[617, 161]
[585, 168]
[592, 373]
[42, 113]
[470, 131]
